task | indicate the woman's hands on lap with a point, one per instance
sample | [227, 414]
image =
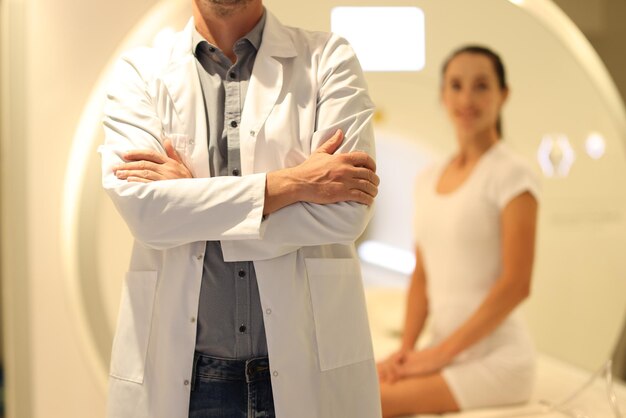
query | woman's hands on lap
[407, 363]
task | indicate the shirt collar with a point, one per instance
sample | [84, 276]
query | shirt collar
[255, 36]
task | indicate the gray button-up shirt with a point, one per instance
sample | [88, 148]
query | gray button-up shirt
[230, 318]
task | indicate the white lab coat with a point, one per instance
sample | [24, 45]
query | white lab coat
[303, 87]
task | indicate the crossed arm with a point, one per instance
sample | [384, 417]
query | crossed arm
[323, 178]
[326, 196]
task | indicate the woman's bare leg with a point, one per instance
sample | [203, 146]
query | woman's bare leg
[417, 395]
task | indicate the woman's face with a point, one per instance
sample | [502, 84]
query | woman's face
[471, 94]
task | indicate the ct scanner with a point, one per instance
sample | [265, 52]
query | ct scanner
[564, 115]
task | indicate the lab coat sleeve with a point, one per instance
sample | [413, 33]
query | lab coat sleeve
[342, 103]
[169, 213]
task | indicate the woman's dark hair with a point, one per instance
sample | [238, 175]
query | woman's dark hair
[498, 66]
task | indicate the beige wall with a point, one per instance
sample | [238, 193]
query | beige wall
[71, 40]
[15, 302]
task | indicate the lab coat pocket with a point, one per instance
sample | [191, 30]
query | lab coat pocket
[130, 344]
[339, 311]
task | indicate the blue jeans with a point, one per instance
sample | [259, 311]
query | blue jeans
[231, 388]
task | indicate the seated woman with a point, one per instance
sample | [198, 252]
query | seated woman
[475, 238]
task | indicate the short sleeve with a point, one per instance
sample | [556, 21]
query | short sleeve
[514, 178]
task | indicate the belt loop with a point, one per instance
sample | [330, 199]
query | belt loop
[247, 372]
[196, 357]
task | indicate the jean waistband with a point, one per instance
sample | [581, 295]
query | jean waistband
[231, 369]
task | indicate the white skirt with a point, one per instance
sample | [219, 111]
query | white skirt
[498, 370]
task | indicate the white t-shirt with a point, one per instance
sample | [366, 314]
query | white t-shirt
[459, 233]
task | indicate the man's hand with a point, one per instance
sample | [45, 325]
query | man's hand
[329, 178]
[149, 165]
[324, 178]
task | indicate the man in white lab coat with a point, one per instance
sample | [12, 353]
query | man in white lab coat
[241, 209]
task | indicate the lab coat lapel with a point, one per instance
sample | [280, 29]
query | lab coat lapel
[266, 83]
[183, 85]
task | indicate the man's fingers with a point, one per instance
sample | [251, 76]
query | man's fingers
[366, 187]
[137, 174]
[146, 155]
[170, 151]
[332, 144]
[361, 197]
[366, 174]
[360, 159]
[138, 180]
[138, 166]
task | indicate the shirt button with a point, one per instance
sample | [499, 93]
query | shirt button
[235, 171]
[200, 257]
[268, 311]
[252, 133]
[211, 49]
[192, 319]
[242, 273]
[233, 124]
[242, 329]
[186, 382]
[274, 373]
